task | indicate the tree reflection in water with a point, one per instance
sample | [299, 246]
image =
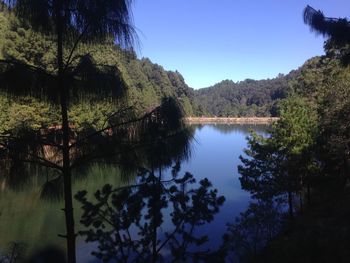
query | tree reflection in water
[129, 223]
[159, 217]
[252, 230]
[13, 253]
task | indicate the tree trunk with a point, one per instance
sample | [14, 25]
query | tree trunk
[68, 199]
[308, 193]
[156, 196]
[301, 194]
[290, 204]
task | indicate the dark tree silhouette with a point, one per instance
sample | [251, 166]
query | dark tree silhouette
[337, 29]
[69, 22]
[127, 223]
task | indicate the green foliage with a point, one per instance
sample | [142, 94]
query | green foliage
[245, 98]
[29, 47]
[297, 127]
[4, 27]
[324, 82]
[25, 113]
[26, 116]
[278, 166]
[147, 83]
[90, 114]
[4, 114]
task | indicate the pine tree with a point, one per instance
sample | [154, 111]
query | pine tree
[69, 23]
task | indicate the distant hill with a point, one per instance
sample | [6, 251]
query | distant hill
[244, 98]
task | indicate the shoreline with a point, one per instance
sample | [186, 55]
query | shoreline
[230, 120]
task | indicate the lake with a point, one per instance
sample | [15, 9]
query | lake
[32, 222]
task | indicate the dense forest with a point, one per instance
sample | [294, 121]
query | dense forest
[146, 83]
[244, 98]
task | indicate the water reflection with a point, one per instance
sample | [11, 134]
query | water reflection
[157, 142]
[129, 223]
[241, 128]
[26, 218]
[36, 222]
[252, 230]
[13, 253]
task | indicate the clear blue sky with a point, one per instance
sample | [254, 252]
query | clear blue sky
[211, 40]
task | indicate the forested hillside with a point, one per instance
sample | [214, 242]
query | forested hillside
[145, 83]
[244, 98]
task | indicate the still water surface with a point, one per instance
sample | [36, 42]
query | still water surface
[27, 219]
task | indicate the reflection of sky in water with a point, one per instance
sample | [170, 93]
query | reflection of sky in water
[215, 156]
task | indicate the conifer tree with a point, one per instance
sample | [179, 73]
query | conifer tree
[69, 23]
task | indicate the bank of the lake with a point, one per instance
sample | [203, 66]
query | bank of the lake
[231, 120]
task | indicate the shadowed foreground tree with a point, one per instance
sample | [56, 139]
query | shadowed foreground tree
[128, 223]
[338, 29]
[68, 22]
